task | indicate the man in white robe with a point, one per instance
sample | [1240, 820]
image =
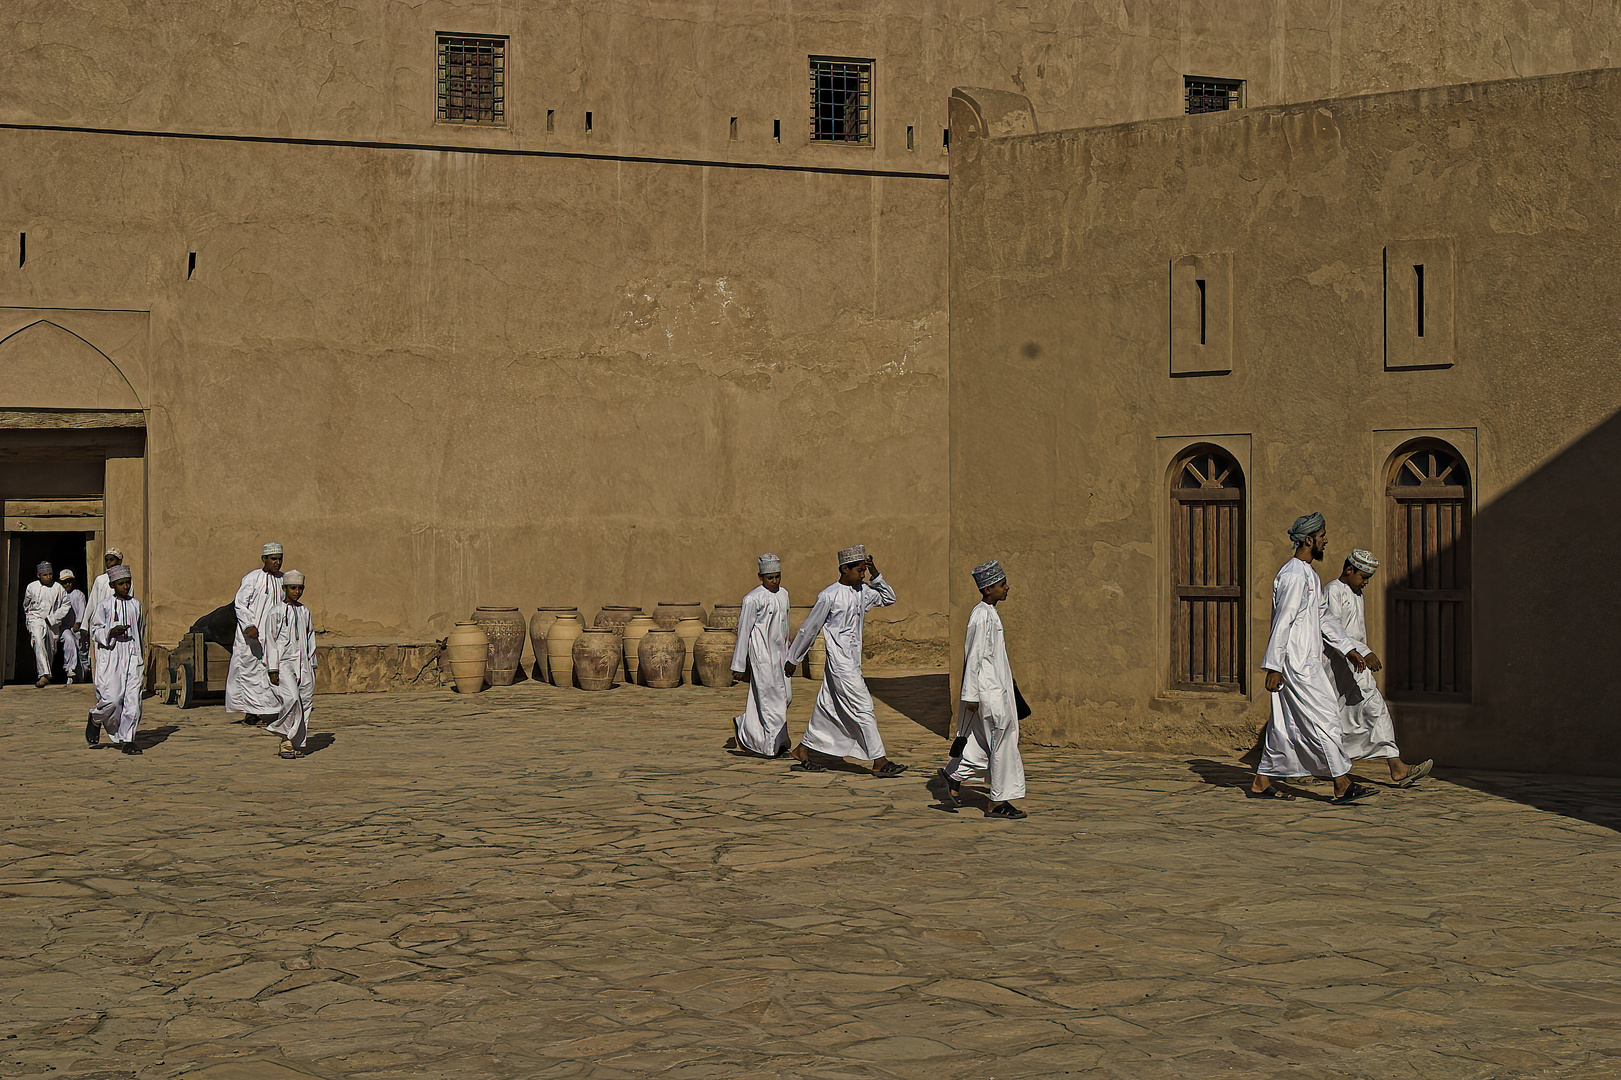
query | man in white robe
[45, 612]
[762, 649]
[100, 590]
[842, 722]
[74, 638]
[248, 688]
[1366, 728]
[294, 676]
[120, 640]
[987, 712]
[1303, 736]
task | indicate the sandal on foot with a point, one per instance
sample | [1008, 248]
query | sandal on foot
[1269, 792]
[288, 750]
[890, 770]
[1352, 794]
[1416, 773]
[130, 748]
[92, 733]
[1007, 810]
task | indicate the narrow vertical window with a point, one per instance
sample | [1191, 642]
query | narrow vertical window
[1207, 572]
[909, 137]
[776, 131]
[587, 121]
[1418, 298]
[22, 250]
[1203, 311]
[1428, 591]
[841, 100]
[731, 131]
[551, 119]
[472, 79]
[945, 140]
[191, 264]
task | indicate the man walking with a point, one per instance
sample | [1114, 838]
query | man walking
[45, 610]
[248, 687]
[100, 589]
[1303, 736]
[1366, 729]
[842, 722]
[987, 714]
[74, 639]
[762, 648]
[120, 638]
[294, 674]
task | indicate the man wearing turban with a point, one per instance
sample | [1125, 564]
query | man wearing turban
[1303, 736]
[1366, 730]
[762, 649]
[843, 723]
[45, 612]
[248, 688]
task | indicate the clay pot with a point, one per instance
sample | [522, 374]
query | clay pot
[616, 617]
[506, 631]
[634, 631]
[661, 656]
[725, 616]
[539, 623]
[596, 658]
[468, 648]
[712, 656]
[560, 638]
[816, 659]
[689, 628]
[670, 612]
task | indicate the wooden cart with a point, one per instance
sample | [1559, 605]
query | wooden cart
[197, 668]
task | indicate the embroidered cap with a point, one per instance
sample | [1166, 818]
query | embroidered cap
[852, 555]
[770, 564]
[118, 573]
[271, 548]
[987, 574]
[1363, 561]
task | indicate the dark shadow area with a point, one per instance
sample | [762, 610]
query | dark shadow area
[63, 550]
[1220, 773]
[1593, 799]
[968, 798]
[923, 699]
[147, 738]
[316, 743]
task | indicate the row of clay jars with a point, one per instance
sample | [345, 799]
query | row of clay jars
[468, 650]
[669, 612]
[540, 622]
[504, 628]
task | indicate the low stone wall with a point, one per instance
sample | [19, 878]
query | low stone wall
[371, 667]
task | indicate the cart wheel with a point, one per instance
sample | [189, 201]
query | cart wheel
[182, 690]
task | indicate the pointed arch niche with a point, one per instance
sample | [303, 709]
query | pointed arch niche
[1208, 546]
[72, 450]
[1429, 504]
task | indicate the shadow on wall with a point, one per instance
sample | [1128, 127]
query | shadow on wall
[1546, 590]
[923, 699]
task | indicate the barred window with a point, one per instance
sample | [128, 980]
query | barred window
[1427, 597]
[472, 79]
[1207, 572]
[1212, 95]
[841, 100]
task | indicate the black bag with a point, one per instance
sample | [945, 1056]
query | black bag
[1020, 706]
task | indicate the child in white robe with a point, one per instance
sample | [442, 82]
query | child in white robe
[74, 638]
[762, 649]
[294, 675]
[119, 638]
[45, 610]
[988, 713]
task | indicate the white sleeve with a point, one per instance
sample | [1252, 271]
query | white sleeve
[808, 632]
[877, 593]
[245, 616]
[977, 660]
[1333, 630]
[1287, 596]
[745, 629]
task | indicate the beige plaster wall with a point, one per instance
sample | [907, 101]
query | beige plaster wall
[445, 380]
[1065, 415]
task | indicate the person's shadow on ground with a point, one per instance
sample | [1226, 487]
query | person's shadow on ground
[1221, 774]
[316, 743]
[148, 738]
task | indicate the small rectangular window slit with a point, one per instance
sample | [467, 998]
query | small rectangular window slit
[191, 264]
[732, 130]
[551, 119]
[1203, 322]
[945, 140]
[22, 250]
[1418, 298]
[909, 145]
[588, 121]
[776, 131]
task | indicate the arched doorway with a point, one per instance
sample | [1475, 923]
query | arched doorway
[1427, 592]
[1207, 571]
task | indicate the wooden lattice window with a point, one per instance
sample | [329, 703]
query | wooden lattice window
[1427, 592]
[1207, 574]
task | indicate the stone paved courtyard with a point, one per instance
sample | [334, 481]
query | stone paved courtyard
[535, 882]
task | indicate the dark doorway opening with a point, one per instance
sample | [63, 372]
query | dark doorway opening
[63, 550]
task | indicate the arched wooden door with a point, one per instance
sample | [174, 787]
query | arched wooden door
[1207, 572]
[1427, 652]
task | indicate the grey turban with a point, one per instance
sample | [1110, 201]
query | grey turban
[852, 555]
[770, 564]
[44, 568]
[1363, 560]
[117, 573]
[987, 574]
[1305, 527]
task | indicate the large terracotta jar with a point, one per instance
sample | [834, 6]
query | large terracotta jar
[689, 628]
[539, 623]
[816, 659]
[634, 631]
[670, 612]
[506, 631]
[468, 649]
[725, 616]
[616, 617]
[596, 658]
[560, 638]
[712, 656]
[660, 658]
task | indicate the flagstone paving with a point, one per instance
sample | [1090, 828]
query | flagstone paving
[534, 883]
